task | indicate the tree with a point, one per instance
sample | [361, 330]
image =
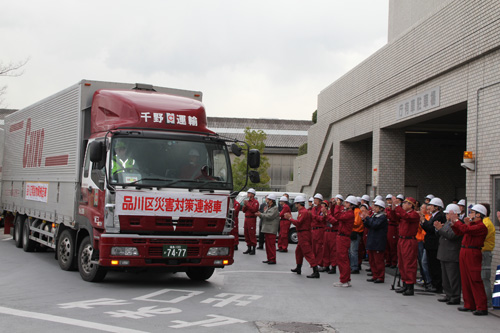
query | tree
[302, 149]
[255, 139]
[315, 117]
[10, 69]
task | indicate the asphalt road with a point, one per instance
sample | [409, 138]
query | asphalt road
[249, 296]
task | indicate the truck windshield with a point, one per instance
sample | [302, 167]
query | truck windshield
[151, 162]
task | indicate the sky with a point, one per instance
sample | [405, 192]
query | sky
[250, 58]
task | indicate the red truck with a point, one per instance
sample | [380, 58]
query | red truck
[116, 176]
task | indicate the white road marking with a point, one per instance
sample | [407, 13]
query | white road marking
[225, 299]
[215, 321]
[68, 321]
[187, 294]
[7, 239]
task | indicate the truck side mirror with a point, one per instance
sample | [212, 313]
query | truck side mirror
[254, 158]
[254, 176]
[96, 149]
[235, 149]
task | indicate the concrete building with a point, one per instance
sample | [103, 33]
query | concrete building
[284, 137]
[401, 120]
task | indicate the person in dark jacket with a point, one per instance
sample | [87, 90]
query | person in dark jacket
[431, 244]
[448, 254]
[376, 241]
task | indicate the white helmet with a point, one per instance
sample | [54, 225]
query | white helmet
[437, 202]
[284, 199]
[352, 199]
[299, 199]
[318, 196]
[271, 196]
[193, 152]
[480, 209]
[429, 196]
[401, 197]
[251, 190]
[388, 196]
[461, 202]
[378, 197]
[339, 196]
[365, 197]
[359, 200]
[452, 208]
[380, 203]
[311, 199]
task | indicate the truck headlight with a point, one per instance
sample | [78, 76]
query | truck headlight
[218, 251]
[124, 251]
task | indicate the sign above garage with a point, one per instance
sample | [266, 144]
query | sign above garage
[424, 101]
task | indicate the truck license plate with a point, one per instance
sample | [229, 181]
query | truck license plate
[174, 251]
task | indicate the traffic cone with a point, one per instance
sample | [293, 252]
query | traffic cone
[496, 290]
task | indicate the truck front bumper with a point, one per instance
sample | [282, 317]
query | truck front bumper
[150, 250]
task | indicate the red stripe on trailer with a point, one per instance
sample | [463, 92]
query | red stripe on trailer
[56, 160]
[16, 126]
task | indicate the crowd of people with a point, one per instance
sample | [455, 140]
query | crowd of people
[451, 246]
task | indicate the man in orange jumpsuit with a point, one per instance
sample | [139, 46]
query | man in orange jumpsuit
[474, 232]
[250, 207]
[284, 225]
[304, 247]
[409, 220]
[344, 214]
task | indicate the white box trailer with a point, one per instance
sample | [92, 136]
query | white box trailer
[44, 148]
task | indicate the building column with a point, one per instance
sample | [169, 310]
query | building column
[388, 162]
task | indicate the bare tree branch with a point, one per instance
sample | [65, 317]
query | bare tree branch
[12, 68]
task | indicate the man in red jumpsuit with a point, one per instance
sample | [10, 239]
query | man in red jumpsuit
[234, 232]
[304, 247]
[474, 232]
[344, 214]
[330, 238]
[318, 228]
[284, 225]
[250, 207]
[391, 252]
[409, 221]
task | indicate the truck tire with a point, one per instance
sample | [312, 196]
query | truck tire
[89, 271]
[29, 245]
[18, 230]
[293, 236]
[66, 251]
[200, 273]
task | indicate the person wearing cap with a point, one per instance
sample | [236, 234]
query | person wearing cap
[474, 233]
[250, 207]
[284, 225]
[311, 204]
[344, 214]
[330, 239]
[391, 251]
[461, 203]
[489, 245]
[234, 231]
[448, 254]
[192, 169]
[428, 198]
[304, 246]
[407, 244]
[318, 228]
[431, 243]
[356, 235]
[122, 161]
[270, 220]
[376, 225]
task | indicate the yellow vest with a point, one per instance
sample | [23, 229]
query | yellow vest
[489, 242]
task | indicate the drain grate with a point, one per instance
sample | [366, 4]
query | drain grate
[294, 327]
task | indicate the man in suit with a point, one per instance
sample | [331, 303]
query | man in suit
[448, 254]
[431, 243]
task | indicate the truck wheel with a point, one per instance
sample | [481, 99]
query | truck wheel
[293, 237]
[18, 230]
[28, 244]
[89, 271]
[200, 273]
[66, 251]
